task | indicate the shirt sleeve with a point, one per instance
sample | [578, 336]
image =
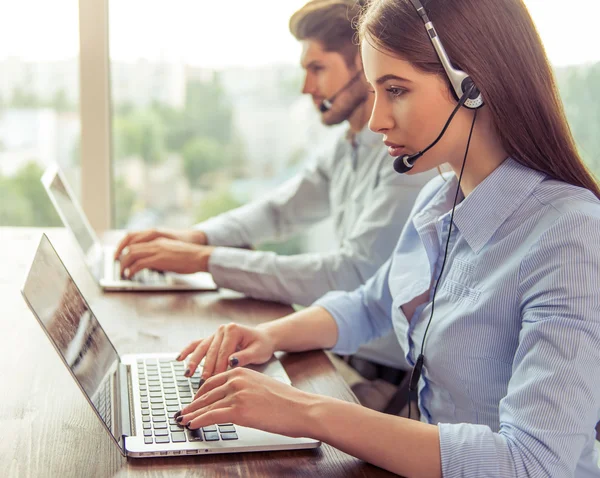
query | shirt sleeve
[299, 202]
[303, 278]
[551, 407]
[363, 314]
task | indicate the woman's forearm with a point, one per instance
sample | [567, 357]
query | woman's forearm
[310, 329]
[406, 447]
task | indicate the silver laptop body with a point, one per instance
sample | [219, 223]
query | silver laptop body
[99, 258]
[134, 396]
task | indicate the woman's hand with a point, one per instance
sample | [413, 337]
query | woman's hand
[232, 344]
[250, 399]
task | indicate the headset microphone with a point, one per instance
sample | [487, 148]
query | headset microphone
[327, 103]
[403, 164]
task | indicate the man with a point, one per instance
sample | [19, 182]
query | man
[356, 185]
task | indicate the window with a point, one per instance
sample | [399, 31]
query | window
[572, 48]
[207, 110]
[39, 112]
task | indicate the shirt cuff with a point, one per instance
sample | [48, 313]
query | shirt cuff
[342, 307]
[216, 230]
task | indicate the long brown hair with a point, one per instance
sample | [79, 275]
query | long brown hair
[497, 44]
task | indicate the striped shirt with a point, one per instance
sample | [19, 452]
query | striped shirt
[512, 357]
[368, 202]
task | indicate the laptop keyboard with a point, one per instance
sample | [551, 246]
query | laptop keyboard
[145, 276]
[104, 404]
[163, 391]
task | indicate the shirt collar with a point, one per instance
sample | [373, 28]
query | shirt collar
[493, 201]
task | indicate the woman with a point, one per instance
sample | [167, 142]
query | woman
[510, 384]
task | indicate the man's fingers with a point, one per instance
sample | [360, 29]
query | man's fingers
[135, 253]
[146, 263]
[124, 242]
[135, 238]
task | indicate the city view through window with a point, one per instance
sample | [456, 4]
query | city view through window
[207, 110]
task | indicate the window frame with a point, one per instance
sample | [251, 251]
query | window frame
[95, 114]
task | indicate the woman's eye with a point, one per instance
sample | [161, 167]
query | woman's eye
[395, 92]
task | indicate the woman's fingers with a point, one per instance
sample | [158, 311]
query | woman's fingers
[211, 355]
[232, 337]
[197, 355]
[188, 350]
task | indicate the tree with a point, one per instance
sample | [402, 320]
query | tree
[124, 203]
[24, 200]
[140, 134]
[202, 156]
[24, 99]
[60, 102]
[216, 203]
[14, 207]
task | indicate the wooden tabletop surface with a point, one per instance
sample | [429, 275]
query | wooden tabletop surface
[47, 427]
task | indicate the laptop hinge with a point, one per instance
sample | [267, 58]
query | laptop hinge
[124, 403]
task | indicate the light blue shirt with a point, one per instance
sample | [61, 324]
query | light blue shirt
[512, 357]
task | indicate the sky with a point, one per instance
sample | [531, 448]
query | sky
[216, 34]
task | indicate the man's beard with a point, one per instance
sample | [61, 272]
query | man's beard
[340, 112]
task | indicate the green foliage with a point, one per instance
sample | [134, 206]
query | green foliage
[214, 204]
[202, 156]
[24, 200]
[124, 200]
[60, 102]
[142, 134]
[24, 99]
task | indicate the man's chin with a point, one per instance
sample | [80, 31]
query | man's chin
[329, 120]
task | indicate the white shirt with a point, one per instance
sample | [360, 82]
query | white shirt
[369, 202]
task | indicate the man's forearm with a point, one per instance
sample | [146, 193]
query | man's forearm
[310, 329]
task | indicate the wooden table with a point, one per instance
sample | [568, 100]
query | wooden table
[46, 426]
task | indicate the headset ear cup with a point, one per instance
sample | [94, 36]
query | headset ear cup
[466, 84]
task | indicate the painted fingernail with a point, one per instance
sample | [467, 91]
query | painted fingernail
[201, 382]
[233, 361]
[179, 419]
[125, 251]
[126, 272]
[177, 414]
[187, 372]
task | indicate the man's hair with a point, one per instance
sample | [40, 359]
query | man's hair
[330, 22]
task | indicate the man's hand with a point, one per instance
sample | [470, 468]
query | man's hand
[191, 236]
[164, 254]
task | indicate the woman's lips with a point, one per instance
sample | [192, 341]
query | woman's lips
[396, 150]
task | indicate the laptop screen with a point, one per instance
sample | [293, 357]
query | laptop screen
[71, 326]
[71, 214]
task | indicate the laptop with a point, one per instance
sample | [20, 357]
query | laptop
[100, 259]
[134, 396]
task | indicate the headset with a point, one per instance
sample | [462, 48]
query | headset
[463, 89]
[469, 96]
[327, 103]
